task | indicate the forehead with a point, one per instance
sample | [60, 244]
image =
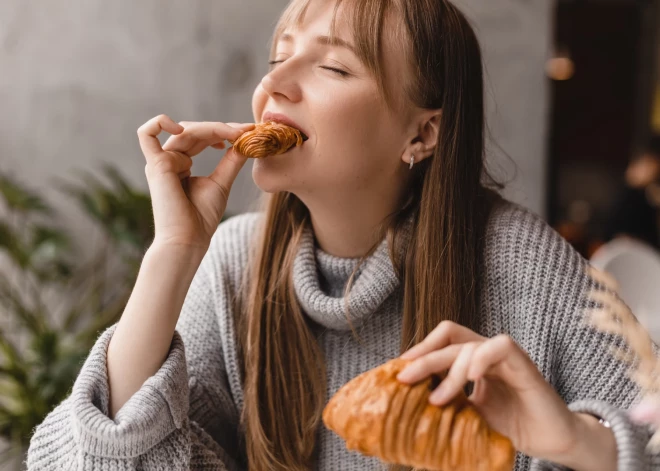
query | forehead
[322, 17]
[374, 28]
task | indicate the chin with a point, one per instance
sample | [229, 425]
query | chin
[271, 175]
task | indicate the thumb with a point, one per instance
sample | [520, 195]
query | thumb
[227, 169]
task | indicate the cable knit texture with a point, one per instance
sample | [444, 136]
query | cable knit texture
[186, 416]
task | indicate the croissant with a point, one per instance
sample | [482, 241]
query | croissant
[379, 416]
[268, 138]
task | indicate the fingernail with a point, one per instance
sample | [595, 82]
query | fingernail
[439, 396]
[404, 374]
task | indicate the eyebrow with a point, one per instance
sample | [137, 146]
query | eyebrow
[325, 41]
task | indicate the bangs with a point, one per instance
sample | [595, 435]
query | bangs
[365, 19]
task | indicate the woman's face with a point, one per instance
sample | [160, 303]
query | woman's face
[356, 142]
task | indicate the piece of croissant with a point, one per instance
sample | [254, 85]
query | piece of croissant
[266, 139]
[379, 416]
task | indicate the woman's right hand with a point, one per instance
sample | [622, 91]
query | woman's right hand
[187, 210]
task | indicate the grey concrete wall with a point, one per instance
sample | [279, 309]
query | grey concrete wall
[78, 77]
[516, 40]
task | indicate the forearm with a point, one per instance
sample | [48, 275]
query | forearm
[595, 447]
[144, 333]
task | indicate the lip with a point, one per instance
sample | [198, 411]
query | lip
[284, 119]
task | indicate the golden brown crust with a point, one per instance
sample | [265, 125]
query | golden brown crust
[266, 139]
[392, 425]
[379, 416]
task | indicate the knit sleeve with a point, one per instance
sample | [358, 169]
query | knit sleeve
[591, 380]
[538, 291]
[182, 418]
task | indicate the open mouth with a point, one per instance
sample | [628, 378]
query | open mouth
[283, 119]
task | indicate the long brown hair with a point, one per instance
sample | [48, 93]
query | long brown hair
[448, 201]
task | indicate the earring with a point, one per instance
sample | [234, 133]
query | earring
[412, 160]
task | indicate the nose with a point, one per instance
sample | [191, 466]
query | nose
[283, 81]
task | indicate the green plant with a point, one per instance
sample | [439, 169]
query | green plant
[52, 305]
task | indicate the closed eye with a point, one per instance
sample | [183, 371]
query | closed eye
[343, 73]
[272, 63]
[338, 71]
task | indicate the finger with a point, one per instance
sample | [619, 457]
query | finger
[199, 146]
[216, 140]
[242, 126]
[457, 377]
[184, 140]
[198, 136]
[148, 132]
[183, 175]
[494, 351]
[227, 170]
[431, 363]
[180, 142]
[234, 125]
[446, 333]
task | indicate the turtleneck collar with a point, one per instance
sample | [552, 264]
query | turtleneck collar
[320, 280]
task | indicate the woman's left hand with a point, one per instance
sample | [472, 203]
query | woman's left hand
[509, 391]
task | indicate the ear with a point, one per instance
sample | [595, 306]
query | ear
[425, 136]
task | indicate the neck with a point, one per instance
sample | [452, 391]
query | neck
[349, 228]
[346, 231]
[344, 235]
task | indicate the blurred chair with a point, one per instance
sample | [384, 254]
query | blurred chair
[636, 267]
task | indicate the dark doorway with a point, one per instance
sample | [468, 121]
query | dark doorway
[595, 114]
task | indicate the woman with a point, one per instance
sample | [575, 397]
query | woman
[378, 234]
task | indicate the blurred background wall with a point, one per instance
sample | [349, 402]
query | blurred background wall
[79, 77]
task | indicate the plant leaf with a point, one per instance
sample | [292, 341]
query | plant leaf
[20, 199]
[123, 211]
[49, 249]
[11, 354]
[117, 179]
[35, 379]
[42, 235]
[11, 243]
[30, 318]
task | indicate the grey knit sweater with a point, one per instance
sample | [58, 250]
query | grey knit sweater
[186, 416]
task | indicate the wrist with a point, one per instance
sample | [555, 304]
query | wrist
[594, 446]
[183, 260]
[194, 253]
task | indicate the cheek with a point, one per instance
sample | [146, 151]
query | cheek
[259, 99]
[355, 137]
[354, 146]
[346, 112]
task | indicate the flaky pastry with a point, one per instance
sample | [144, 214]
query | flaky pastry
[379, 416]
[268, 138]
